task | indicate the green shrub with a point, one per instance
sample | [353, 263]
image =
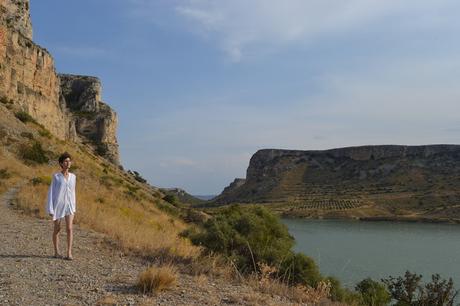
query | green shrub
[168, 208]
[24, 117]
[194, 216]
[5, 100]
[27, 135]
[408, 290]
[46, 180]
[253, 235]
[341, 294]
[101, 150]
[373, 293]
[300, 269]
[137, 176]
[171, 199]
[44, 133]
[34, 153]
[4, 174]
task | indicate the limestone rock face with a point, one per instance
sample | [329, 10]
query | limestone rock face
[94, 120]
[28, 77]
[16, 14]
[372, 174]
[68, 106]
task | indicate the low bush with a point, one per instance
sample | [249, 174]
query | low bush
[137, 176]
[373, 293]
[4, 174]
[45, 180]
[253, 236]
[34, 153]
[171, 199]
[24, 117]
[339, 293]
[101, 150]
[409, 290]
[27, 135]
[44, 133]
[5, 100]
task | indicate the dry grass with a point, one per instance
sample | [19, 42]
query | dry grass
[133, 220]
[200, 280]
[107, 301]
[156, 279]
[266, 283]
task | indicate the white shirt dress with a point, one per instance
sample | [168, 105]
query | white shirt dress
[61, 196]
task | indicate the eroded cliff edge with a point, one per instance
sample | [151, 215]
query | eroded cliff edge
[366, 181]
[69, 106]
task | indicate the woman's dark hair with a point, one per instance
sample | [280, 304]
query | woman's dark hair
[63, 157]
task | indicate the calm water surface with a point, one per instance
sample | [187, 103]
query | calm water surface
[352, 250]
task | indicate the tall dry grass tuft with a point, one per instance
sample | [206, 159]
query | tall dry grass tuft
[265, 282]
[156, 279]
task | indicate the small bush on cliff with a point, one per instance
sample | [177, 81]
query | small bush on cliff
[44, 132]
[171, 199]
[101, 150]
[45, 180]
[4, 174]
[24, 117]
[137, 176]
[253, 236]
[5, 100]
[34, 153]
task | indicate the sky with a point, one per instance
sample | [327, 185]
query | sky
[200, 85]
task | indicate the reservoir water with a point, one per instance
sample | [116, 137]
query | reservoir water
[354, 250]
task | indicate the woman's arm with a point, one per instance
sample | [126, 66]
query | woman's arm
[74, 191]
[50, 199]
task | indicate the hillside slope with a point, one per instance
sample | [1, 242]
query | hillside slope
[421, 182]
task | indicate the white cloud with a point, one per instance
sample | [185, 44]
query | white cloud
[240, 25]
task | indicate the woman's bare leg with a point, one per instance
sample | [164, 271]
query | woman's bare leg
[69, 229]
[57, 228]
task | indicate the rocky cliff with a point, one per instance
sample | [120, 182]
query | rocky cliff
[417, 178]
[94, 120]
[61, 104]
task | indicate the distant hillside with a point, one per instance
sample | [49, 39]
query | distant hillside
[183, 196]
[388, 181]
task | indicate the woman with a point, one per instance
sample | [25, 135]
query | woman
[61, 203]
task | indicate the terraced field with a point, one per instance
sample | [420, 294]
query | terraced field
[356, 182]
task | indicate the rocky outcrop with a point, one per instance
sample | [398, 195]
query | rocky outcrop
[94, 120]
[28, 76]
[16, 15]
[413, 175]
[230, 189]
[68, 106]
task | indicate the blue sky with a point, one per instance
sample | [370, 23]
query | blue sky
[201, 85]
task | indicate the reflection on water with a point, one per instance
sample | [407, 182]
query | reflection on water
[353, 250]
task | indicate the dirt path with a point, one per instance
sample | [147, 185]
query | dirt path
[29, 275]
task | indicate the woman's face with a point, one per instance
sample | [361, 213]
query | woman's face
[65, 165]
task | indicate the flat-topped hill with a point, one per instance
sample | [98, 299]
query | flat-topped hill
[366, 181]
